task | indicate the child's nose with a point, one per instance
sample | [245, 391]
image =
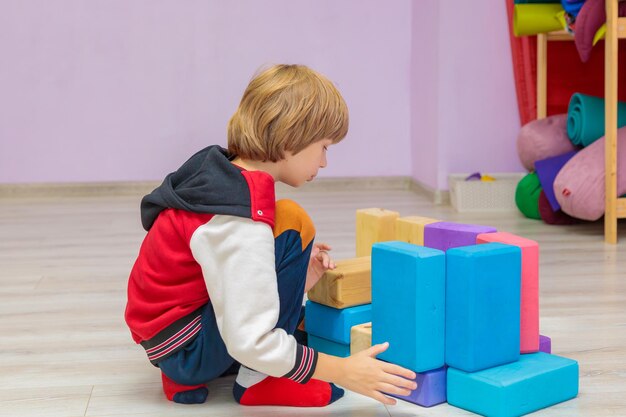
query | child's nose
[323, 162]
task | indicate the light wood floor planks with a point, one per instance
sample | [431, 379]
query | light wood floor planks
[65, 350]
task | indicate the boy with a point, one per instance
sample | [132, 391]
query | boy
[220, 276]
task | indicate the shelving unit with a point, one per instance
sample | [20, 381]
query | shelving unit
[615, 208]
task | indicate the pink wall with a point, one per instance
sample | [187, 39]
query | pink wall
[476, 89]
[463, 93]
[424, 87]
[110, 90]
[115, 90]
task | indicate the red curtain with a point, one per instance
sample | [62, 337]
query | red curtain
[566, 73]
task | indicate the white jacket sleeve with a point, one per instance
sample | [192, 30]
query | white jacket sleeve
[238, 263]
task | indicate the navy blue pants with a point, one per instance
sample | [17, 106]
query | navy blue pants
[206, 357]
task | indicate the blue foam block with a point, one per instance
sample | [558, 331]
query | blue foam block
[408, 304]
[536, 381]
[332, 323]
[431, 389]
[328, 346]
[482, 306]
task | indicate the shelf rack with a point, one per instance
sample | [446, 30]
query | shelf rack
[615, 208]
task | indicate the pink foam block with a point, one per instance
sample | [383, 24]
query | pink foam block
[529, 312]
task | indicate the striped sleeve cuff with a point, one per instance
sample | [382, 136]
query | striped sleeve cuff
[173, 338]
[306, 360]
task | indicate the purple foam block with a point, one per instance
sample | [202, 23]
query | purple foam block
[545, 344]
[446, 235]
[431, 389]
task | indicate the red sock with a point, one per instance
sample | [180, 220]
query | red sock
[283, 391]
[184, 394]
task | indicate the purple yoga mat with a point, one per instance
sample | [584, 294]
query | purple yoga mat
[547, 170]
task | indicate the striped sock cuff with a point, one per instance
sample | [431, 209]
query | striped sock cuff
[306, 361]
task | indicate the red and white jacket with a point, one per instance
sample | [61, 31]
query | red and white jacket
[210, 235]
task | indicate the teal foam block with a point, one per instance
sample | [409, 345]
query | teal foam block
[536, 381]
[408, 304]
[332, 323]
[482, 306]
[328, 346]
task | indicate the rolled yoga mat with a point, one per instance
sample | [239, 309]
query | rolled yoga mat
[527, 196]
[585, 118]
[531, 19]
[543, 138]
[579, 185]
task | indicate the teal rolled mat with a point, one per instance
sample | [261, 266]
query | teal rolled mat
[531, 19]
[585, 118]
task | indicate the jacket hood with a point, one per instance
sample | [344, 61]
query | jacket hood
[207, 183]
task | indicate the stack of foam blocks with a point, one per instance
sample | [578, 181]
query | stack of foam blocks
[339, 301]
[458, 304]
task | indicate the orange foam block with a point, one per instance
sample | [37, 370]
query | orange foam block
[529, 310]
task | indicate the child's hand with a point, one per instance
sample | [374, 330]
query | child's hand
[320, 262]
[365, 374]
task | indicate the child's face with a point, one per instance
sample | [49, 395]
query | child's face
[303, 166]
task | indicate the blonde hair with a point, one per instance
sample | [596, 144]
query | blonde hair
[286, 108]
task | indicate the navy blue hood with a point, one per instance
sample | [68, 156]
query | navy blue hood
[207, 183]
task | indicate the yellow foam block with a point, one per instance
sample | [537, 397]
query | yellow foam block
[360, 337]
[349, 284]
[410, 229]
[374, 225]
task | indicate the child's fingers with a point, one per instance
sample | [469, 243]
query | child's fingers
[400, 382]
[323, 246]
[325, 259]
[394, 390]
[321, 255]
[390, 368]
[377, 349]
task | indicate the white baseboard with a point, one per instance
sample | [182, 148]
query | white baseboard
[122, 188]
[353, 183]
[76, 189]
[439, 197]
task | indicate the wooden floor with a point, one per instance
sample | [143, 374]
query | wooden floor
[65, 350]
